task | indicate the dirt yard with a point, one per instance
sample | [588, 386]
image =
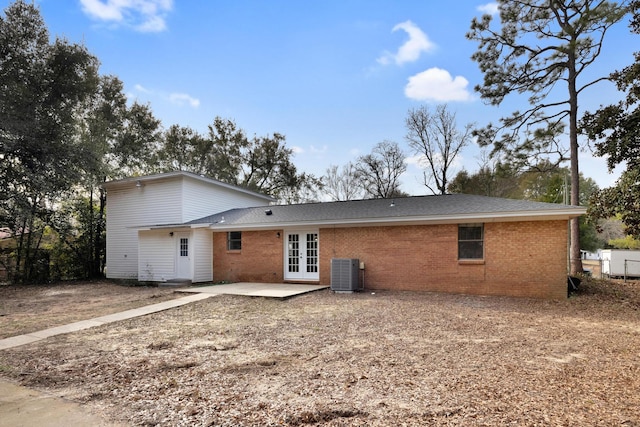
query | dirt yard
[382, 359]
[25, 309]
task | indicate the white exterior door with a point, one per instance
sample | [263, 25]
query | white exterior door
[301, 255]
[183, 256]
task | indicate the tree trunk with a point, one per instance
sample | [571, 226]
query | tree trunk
[575, 260]
[17, 268]
[100, 249]
[27, 271]
[88, 257]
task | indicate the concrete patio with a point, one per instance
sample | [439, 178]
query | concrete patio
[269, 290]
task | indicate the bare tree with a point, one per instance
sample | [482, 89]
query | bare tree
[342, 183]
[435, 137]
[379, 172]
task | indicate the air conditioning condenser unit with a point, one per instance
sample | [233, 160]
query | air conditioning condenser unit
[344, 274]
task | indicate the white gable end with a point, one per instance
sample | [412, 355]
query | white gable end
[173, 198]
[200, 199]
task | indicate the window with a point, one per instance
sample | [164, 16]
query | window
[234, 240]
[471, 241]
[294, 253]
[312, 252]
[184, 246]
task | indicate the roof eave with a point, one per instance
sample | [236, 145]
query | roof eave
[415, 220]
[170, 226]
[168, 175]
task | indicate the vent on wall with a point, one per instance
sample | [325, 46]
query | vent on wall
[344, 274]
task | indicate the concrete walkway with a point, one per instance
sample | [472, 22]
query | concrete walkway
[19, 340]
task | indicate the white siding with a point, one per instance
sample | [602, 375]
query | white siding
[157, 254]
[122, 242]
[203, 253]
[131, 207]
[200, 199]
[170, 200]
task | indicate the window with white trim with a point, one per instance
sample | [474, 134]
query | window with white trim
[470, 241]
[234, 240]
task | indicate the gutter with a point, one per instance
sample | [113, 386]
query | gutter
[397, 221]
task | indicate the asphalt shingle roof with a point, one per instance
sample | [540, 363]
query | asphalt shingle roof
[367, 211]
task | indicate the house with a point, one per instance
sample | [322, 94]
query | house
[620, 262]
[180, 225]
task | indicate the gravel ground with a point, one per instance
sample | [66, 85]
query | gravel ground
[374, 359]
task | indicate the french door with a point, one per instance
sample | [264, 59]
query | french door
[301, 255]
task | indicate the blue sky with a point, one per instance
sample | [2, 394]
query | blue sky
[335, 77]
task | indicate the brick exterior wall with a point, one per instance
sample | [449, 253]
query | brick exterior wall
[260, 260]
[525, 259]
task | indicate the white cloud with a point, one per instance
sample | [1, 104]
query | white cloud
[418, 160]
[154, 24]
[140, 88]
[99, 10]
[182, 98]
[177, 98]
[297, 150]
[411, 49]
[436, 84]
[489, 8]
[142, 15]
[320, 150]
[422, 162]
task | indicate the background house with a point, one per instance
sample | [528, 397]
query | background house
[6, 244]
[451, 243]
